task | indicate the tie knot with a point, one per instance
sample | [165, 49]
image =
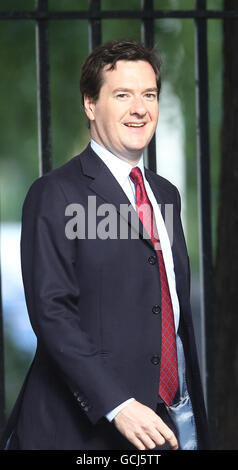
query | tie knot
[136, 175]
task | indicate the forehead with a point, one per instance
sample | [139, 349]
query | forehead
[129, 74]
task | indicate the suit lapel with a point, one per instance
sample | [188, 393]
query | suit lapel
[105, 185]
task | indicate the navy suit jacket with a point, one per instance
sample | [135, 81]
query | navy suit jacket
[90, 303]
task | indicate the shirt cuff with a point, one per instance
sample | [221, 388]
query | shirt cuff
[111, 415]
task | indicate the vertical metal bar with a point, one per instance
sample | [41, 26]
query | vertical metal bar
[203, 165]
[95, 29]
[147, 27]
[2, 368]
[147, 36]
[43, 89]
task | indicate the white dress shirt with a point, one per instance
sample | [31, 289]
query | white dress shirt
[121, 170]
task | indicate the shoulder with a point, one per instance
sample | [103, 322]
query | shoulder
[56, 181]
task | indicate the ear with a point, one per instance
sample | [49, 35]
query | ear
[89, 107]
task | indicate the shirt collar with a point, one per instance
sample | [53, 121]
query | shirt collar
[118, 167]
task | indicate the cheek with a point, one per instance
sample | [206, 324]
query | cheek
[107, 126]
[154, 112]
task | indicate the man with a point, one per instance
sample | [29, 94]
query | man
[107, 373]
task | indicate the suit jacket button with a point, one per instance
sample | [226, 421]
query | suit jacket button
[155, 360]
[152, 259]
[156, 309]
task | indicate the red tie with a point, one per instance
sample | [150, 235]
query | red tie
[168, 370]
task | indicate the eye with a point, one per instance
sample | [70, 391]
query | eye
[151, 96]
[122, 96]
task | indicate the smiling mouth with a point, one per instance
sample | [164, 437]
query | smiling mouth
[133, 124]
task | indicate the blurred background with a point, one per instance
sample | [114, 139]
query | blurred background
[175, 137]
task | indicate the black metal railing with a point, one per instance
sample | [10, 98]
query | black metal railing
[147, 14]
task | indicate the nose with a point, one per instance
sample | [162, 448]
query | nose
[138, 106]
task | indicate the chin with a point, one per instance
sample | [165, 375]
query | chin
[139, 145]
[134, 151]
[137, 150]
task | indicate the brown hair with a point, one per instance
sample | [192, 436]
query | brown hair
[108, 54]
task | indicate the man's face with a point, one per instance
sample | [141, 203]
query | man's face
[124, 118]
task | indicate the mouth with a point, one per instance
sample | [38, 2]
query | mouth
[134, 124]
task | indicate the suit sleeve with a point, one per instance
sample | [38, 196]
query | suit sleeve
[52, 292]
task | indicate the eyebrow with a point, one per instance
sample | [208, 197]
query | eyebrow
[154, 89]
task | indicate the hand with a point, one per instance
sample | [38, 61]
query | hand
[143, 427]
